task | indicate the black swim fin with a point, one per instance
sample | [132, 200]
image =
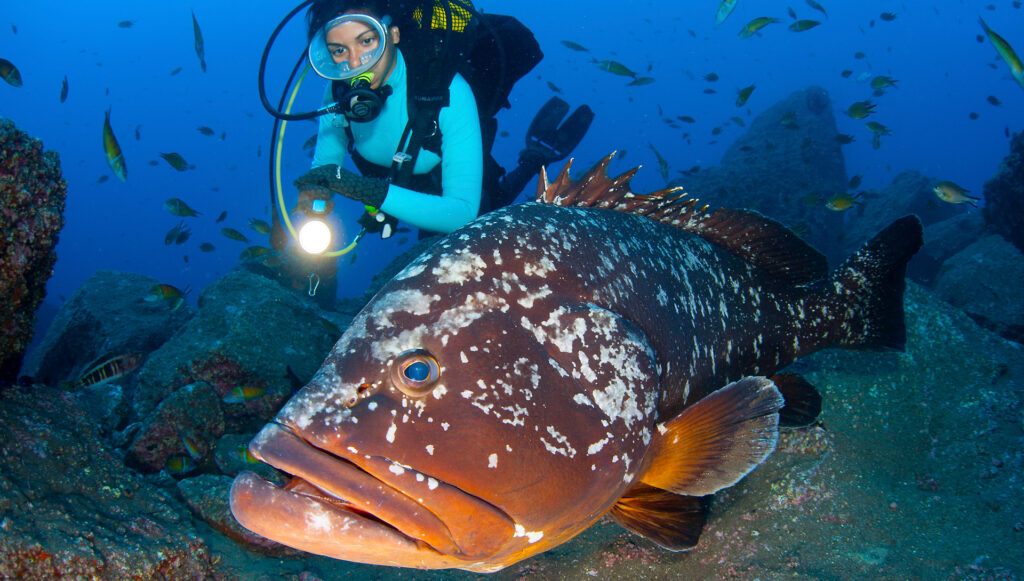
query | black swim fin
[546, 143]
[556, 141]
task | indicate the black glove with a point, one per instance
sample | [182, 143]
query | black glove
[378, 223]
[369, 191]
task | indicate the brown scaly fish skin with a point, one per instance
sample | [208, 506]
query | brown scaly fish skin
[550, 362]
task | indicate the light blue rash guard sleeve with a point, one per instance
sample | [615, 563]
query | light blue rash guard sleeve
[461, 154]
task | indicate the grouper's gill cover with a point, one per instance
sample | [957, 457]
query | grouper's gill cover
[550, 362]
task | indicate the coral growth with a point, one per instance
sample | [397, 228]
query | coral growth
[32, 194]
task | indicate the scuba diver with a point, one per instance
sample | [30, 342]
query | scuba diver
[414, 89]
[414, 125]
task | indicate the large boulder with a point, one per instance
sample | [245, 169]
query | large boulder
[1004, 195]
[984, 279]
[107, 316]
[32, 194]
[69, 509]
[251, 333]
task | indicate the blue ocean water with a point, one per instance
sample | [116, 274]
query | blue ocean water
[122, 56]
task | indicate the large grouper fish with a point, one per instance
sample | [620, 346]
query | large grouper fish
[593, 352]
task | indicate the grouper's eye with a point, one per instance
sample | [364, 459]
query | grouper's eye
[415, 372]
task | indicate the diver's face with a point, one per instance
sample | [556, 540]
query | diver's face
[354, 41]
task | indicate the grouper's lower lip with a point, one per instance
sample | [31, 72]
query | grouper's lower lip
[335, 508]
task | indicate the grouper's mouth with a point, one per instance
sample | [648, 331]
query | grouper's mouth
[363, 509]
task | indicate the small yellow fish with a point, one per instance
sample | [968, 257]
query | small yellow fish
[614, 67]
[243, 454]
[108, 369]
[244, 393]
[574, 46]
[950, 192]
[115, 159]
[1006, 51]
[725, 8]
[802, 25]
[754, 26]
[191, 445]
[254, 252]
[198, 38]
[881, 82]
[743, 95]
[177, 235]
[179, 464]
[662, 163]
[877, 128]
[10, 73]
[174, 296]
[817, 7]
[234, 234]
[841, 202]
[860, 109]
[260, 226]
[178, 207]
[175, 160]
[641, 81]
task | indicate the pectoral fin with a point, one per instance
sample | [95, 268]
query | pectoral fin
[714, 443]
[671, 520]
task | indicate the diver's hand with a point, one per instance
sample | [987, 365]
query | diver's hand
[369, 191]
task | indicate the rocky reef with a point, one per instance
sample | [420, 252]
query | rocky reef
[32, 194]
[864, 493]
[1004, 195]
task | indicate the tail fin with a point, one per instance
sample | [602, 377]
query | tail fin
[872, 283]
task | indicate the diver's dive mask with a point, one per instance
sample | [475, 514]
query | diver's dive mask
[320, 53]
[352, 87]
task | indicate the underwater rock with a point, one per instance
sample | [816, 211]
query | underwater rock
[785, 166]
[249, 332]
[207, 497]
[984, 280]
[32, 194]
[942, 240]
[106, 404]
[1004, 195]
[108, 315]
[231, 458]
[69, 508]
[192, 412]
